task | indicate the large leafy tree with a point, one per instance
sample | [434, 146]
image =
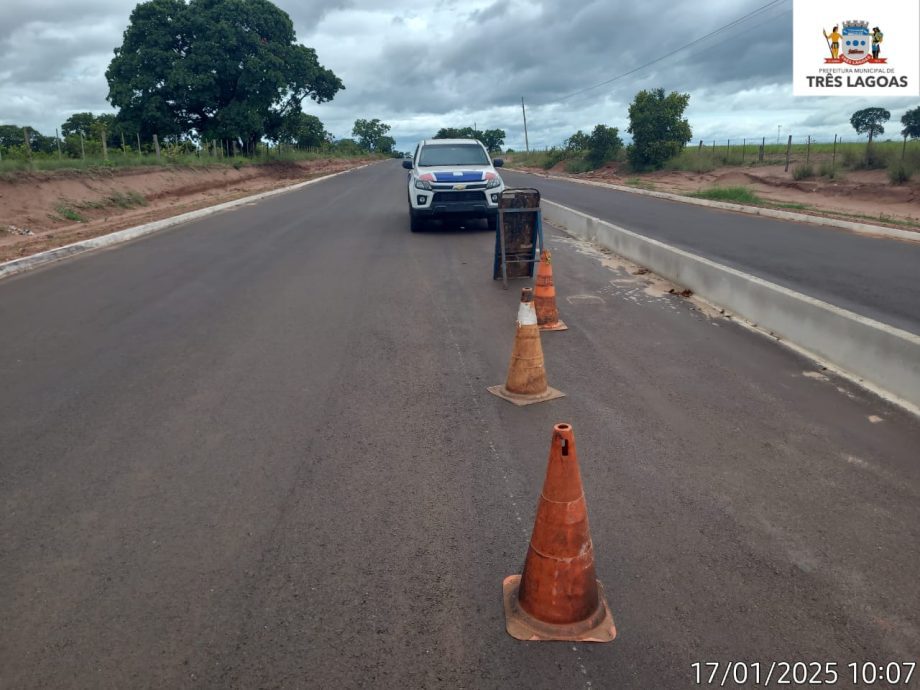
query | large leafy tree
[870, 121]
[658, 127]
[372, 135]
[492, 139]
[215, 69]
[79, 123]
[12, 137]
[304, 130]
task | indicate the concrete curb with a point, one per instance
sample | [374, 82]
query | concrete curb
[28, 263]
[884, 358]
[860, 228]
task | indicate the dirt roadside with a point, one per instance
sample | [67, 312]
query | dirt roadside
[860, 196]
[44, 210]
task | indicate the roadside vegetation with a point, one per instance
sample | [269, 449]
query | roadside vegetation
[661, 136]
[187, 119]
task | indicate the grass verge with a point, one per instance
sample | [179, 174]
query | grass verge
[736, 195]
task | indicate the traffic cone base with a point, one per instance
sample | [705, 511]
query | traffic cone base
[521, 400]
[558, 326]
[599, 627]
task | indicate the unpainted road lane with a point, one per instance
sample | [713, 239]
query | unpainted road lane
[874, 277]
[257, 451]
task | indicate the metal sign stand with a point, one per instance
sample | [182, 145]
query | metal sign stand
[504, 257]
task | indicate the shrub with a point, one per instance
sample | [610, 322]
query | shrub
[578, 165]
[829, 171]
[803, 172]
[899, 173]
[603, 145]
[552, 157]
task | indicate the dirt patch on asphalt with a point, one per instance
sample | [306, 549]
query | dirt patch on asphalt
[859, 195]
[44, 210]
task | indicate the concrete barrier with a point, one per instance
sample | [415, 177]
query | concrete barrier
[885, 358]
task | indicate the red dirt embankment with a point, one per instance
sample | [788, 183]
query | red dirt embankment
[43, 210]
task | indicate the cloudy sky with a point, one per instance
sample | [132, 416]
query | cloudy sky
[421, 66]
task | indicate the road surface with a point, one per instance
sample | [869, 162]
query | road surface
[875, 277]
[257, 451]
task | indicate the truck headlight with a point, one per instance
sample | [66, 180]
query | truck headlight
[494, 182]
[423, 184]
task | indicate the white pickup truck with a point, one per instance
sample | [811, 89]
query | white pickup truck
[453, 178]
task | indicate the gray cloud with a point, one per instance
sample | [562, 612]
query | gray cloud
[423, 66]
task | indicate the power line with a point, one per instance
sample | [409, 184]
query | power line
[725, 27]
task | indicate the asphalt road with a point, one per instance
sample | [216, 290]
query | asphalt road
[257, 451]
[875, 277]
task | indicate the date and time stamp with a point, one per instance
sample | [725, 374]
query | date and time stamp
[726, 674]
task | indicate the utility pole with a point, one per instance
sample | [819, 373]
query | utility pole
[526, 141]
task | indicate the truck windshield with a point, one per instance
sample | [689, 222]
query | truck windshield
[453, 154]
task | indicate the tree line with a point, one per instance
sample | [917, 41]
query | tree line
[197, 72]
[660, 132]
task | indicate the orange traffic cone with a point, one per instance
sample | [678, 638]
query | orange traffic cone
[544, 296]
[558, 596]
[526, 383]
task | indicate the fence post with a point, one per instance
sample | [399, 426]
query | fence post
[728, 152]
[124, 149]
[834, 155]
[713, 154]
[82, 147]
[105, 148]
[743, 145]
[763, 145]
[25, 138]
[903, 148]
[57, 138]
[808, 151]
[788, 151]
[156, 146]
[139, 154]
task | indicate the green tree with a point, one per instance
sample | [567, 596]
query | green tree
[10, 136]
[577, 143]
[453, 133]
[870, 121]
[911, 122]
[215, 69]
[658, 128]
[492, 139]
[79, 123]
[603, 145]
[303, 130]
[13, 138]
[371, 135]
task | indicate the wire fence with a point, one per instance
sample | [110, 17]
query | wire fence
[793, 152]
[31, 150]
